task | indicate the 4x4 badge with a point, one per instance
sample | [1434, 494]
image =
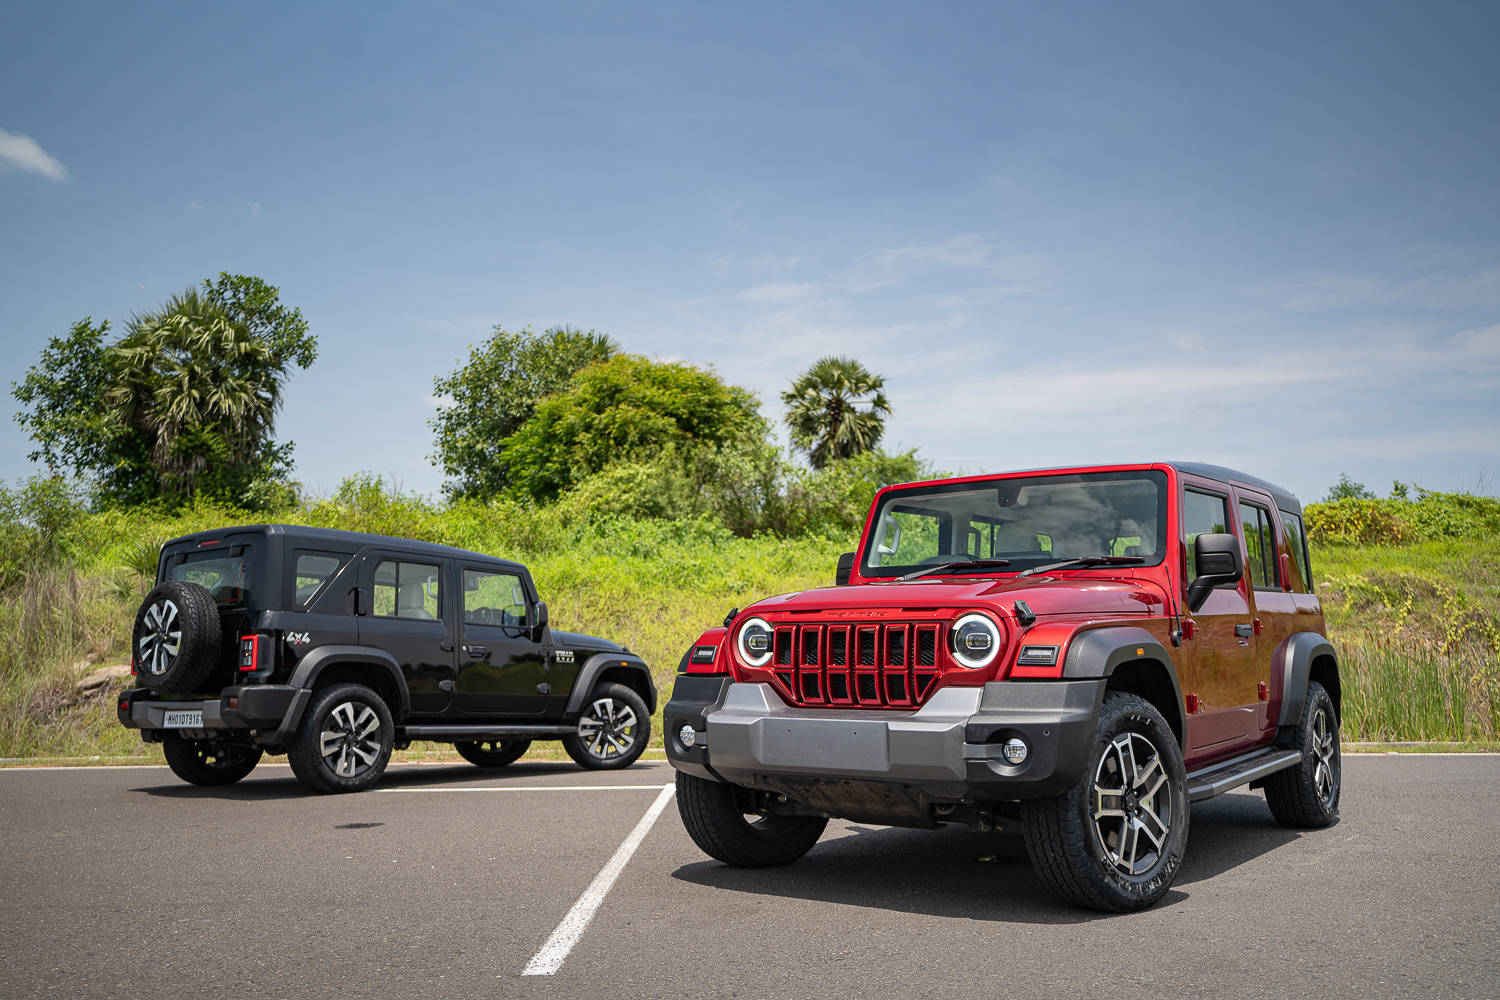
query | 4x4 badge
[299, 638]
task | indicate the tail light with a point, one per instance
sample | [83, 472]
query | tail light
[249, 653]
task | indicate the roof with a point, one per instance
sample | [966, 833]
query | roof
[1284, 498]
[302, 533]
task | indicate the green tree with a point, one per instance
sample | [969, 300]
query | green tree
[496, 391]
[183, 404]
[1347, 489]
[625, 409]
[836, 409]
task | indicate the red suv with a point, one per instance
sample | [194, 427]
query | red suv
[1076, 653]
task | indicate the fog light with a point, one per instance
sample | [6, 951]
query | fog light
[1015, 751]
[687, 737]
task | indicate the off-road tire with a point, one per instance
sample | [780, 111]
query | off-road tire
[177, 640]
[715, 815]
[492, 753]
[1307, 796]
[1066, 838]
[339, 711]
[613, 715]
[204, 762]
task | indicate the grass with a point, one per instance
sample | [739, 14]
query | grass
[1417, 626]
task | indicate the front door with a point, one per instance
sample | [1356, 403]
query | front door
[501, 670]
[411, 616]
[1222, 669]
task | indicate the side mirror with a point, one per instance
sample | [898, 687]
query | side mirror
[539, 620]
[1216, 560]
[845, 567]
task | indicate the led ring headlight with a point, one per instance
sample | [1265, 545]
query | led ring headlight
[756, 642]
[974, 641]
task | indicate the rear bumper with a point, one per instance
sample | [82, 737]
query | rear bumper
[257, 706]
[948, 751]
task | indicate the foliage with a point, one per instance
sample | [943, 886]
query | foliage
[183, 403]
[625, 409]
[836, 409]
[1397, 520]
[1347, 489]
[495, 391]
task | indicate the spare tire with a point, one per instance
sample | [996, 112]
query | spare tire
[177, 639]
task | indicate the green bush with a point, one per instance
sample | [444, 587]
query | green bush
[1400, 520]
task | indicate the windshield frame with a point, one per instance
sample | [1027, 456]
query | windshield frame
[909, 497]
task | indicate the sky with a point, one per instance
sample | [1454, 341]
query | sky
[1261, 235]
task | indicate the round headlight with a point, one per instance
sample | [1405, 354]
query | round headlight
[975, 641]
[756, 641]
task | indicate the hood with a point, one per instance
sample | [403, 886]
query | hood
[1045, 595]
[578, 642]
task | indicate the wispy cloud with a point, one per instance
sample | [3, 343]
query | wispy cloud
[195, 207]
[777, 292]
[22, 152]
[253, 206]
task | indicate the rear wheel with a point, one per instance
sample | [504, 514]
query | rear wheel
[612, 731]
[1115, 840]
[1307, 796]
[738, 827]
[205, 762]
[492, 753]
[344, 740]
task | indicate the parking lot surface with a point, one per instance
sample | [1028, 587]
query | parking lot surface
[450, 882]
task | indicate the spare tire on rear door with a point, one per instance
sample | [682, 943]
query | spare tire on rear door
[177, 638]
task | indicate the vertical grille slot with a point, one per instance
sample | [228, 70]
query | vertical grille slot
[874, 665]
[838, 687]
[866, 641]
[927, 646]
[809, 637]
[895, 646]
[895, 688]
[838, 647]
[785, 639]
[867, 691]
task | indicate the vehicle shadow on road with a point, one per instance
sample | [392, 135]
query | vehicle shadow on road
[280, 784]
[966, 873]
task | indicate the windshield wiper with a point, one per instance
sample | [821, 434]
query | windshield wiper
[1083, 561]
[942, 567]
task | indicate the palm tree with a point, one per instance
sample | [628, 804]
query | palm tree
[835, 409]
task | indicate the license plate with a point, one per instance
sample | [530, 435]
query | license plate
[182, 720]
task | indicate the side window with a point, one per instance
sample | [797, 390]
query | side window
[1260, 545]
[407, 590]
[493, 599]
[1202, 514]
[1296, 540]
[310, 572]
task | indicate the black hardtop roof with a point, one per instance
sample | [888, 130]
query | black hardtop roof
[1284, 498]
[344, 539]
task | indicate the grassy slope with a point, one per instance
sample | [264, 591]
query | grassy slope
[1417, 626]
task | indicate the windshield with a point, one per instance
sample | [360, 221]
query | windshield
[224, 573]
[1029, 521]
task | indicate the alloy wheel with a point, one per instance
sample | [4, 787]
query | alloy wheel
[158, 647]
[608, 729]
[1325, 748]
[1131, 804]
[351, 739]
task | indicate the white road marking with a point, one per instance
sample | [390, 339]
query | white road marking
[552, 954]
[526, 788]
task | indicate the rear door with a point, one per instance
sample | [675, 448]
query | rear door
[1274, 607]
[1221, 655]
[501, 668]
[413, 617]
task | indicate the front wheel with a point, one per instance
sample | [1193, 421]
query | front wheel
[1307, 796]
[612, 731]
[344, 741]
[1115, 841]
[736, 825]
[204, 762]
[492, 753]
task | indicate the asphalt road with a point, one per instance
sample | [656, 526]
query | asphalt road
[125, 882]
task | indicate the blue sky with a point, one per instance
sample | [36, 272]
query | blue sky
[1265, 235]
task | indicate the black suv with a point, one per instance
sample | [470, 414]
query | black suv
[335, 648]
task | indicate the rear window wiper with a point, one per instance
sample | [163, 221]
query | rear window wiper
[955, 564]
[1083, 561]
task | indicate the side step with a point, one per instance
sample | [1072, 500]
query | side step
[1221, 777]
[500, 731]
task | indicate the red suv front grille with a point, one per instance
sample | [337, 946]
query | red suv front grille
[886, 665]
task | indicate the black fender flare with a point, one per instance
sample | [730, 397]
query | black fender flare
[1098, 652]
[305, 677]
[1293, 661]
[594, 666]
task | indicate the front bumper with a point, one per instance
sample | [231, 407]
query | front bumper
[255, 706]
[948, 751]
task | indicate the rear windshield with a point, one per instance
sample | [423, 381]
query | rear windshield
[224, 573]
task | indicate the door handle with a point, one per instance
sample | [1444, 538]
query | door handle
[1244, 631]
[445, 685]
[478, 652]
[446, 645]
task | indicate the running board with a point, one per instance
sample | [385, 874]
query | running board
[1220, 778]
[502, 731]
